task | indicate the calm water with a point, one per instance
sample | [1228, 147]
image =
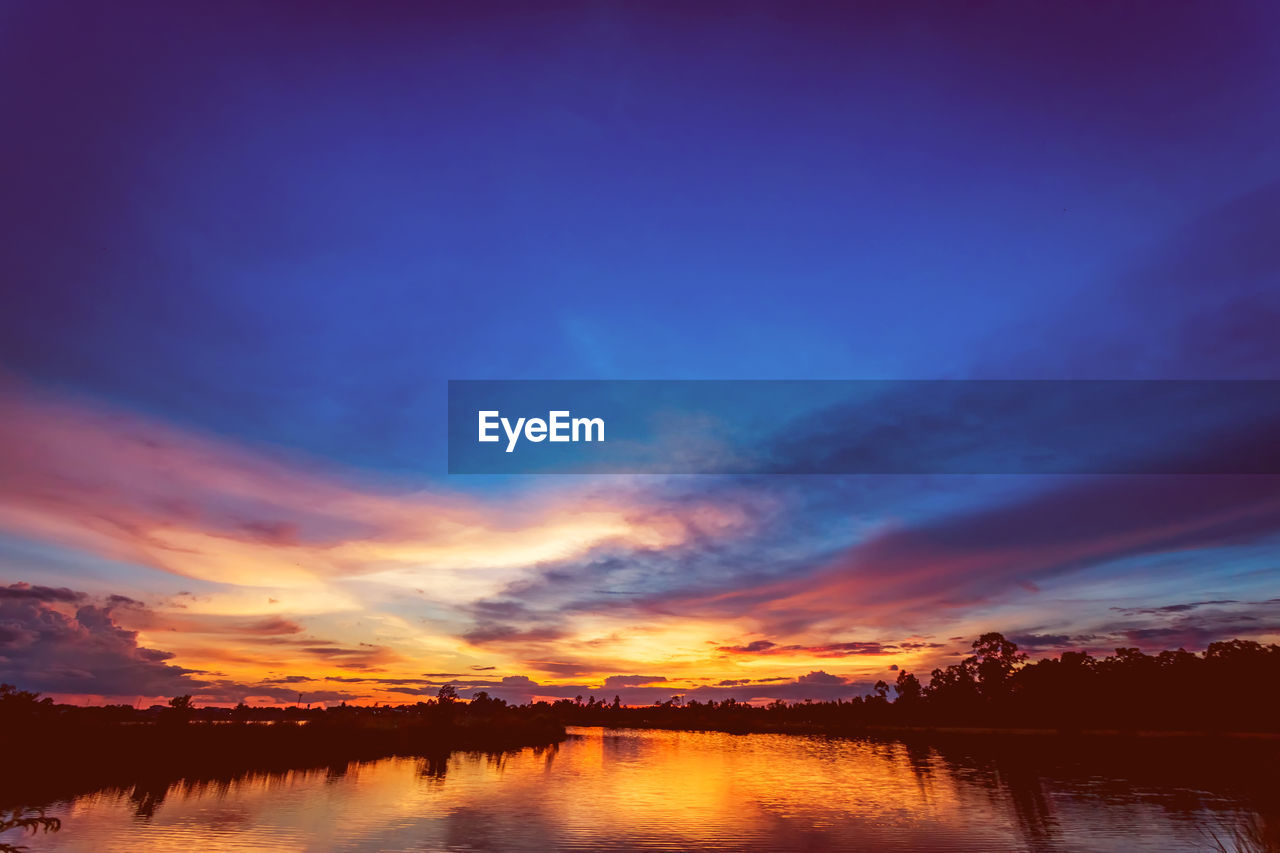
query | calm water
[653, 790]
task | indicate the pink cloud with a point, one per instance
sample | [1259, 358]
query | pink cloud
[128, 487]
[913, 575]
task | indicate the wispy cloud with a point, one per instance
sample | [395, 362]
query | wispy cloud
[118, 484]
[307, 572]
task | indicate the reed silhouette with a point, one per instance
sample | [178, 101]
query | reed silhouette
[22, 819]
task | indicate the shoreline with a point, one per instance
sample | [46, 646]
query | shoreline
[49, 762]
[976, 731]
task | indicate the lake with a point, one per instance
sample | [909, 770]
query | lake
[661, 790]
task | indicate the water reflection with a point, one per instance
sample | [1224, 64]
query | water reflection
[658, 790]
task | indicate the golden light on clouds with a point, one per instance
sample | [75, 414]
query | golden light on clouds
[310, 572]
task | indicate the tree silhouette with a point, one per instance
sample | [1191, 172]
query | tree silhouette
[20, 819]
[994, 661]
[180, 710]
[908, 687]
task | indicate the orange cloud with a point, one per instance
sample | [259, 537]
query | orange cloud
[127, 487]
[308, 566]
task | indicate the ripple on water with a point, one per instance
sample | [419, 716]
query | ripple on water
[680, 791]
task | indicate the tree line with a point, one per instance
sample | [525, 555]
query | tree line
[1233, 686]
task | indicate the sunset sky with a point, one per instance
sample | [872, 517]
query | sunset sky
[246, 246]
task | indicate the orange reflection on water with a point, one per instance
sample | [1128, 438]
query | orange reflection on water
[621, 789]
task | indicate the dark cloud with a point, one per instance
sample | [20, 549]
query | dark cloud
[753, 648]
[363, 656]
[226, 692]
[962, 559]
[499, 610]
[820, 677]
[1190, 625]
[39, 593]
[1195, 631]
[1171, 608]
[1035, 642]
[488, 634]
[270, 532]
[1193, 635]
[50, 649]
[632, 689]
[362, 679]
[817, 685]
[270, 628]
[45, 649]
[631, 680]
[832, 650]
[561, 667]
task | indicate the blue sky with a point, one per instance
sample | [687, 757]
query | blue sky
[282, 230]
